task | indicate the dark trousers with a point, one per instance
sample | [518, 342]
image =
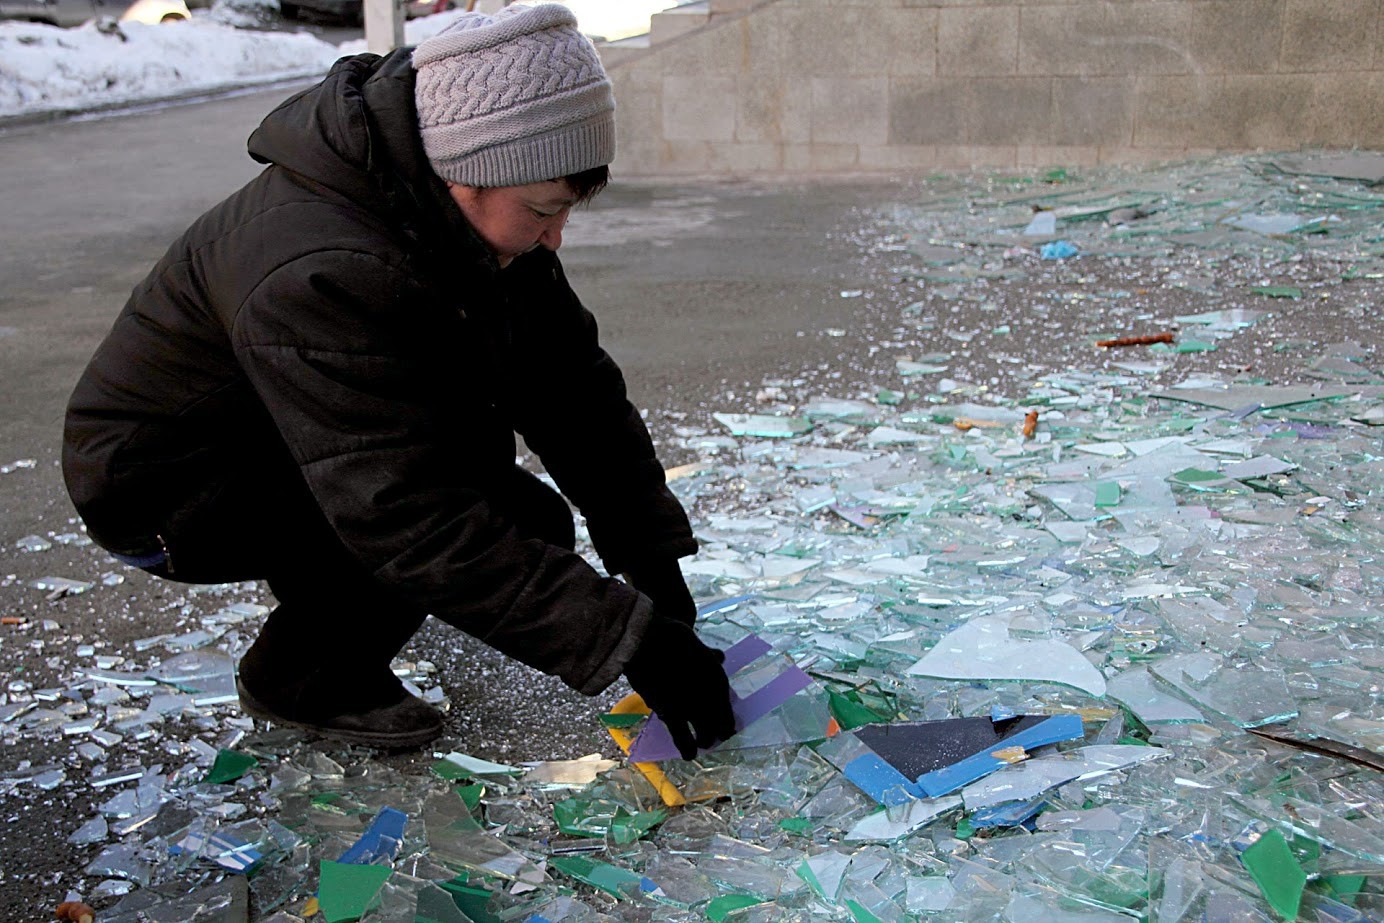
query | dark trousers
[334, 624]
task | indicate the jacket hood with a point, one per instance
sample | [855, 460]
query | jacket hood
[356, 132]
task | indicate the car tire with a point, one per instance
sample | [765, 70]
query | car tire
[288, 10]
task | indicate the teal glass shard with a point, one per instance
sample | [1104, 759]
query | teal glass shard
[760, 425]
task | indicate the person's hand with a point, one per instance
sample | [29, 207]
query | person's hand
[681, 679]
[662, 582]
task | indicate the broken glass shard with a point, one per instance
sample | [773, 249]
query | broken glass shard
[345, 892]
[1023, 781]
[1274, 869]
[613, 880]
[1247, 694]
[896, 822]
[61, 585]
[229, 766]
[480, 767]
[983, 649]
[942, 756]
[1137, 691]
[380, 842]
[577, 773]
[760, 425]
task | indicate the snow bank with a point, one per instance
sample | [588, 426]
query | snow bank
[46, 69]
[43, 68]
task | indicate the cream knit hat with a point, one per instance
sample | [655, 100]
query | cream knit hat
[512, 98]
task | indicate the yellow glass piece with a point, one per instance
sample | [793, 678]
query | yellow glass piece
[632, 704]
[1010, 754]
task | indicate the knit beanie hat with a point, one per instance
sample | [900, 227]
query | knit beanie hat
[512, 98]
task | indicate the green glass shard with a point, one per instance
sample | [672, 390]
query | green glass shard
[613, 880]
[1194, 346]
[1280, 879]
[860, 913]
[1346, 887]
[1107, 494]
[345, 892]
[589, 817]
[229, 766]
[581, 817]
[450, 771]
[726, 904]
[626, 828]
[800, 826]
[851, 714]
[1307, 851]
[474, 902]
[471, 794]
[889, 398]
[1277, 291]
[622, 721]
[435, 905]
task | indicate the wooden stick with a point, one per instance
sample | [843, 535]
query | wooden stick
[1136, 341]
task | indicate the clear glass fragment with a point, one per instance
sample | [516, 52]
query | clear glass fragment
[1026, 780]
[1246, 694]
[1150, 704]
[983, 648]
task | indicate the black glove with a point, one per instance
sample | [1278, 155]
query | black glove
[681, 679]
[662, 582]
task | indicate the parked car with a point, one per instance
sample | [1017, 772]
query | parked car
[67, 13]
[157, 11]
[352, 12]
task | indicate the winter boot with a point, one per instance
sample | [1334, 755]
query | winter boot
[373, 710]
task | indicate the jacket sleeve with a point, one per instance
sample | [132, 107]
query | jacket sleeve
[358, 366]
[576, 416]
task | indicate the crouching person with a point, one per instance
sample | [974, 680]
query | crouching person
[320, 383]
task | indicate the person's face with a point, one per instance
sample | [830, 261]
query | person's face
[512, 220]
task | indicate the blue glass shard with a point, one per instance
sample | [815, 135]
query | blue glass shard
[381, 840]
[951, 778]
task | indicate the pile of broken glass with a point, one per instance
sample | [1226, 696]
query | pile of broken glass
[1099, 652]
[1000, 678]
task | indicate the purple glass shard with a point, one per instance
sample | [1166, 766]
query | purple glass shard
[656, 743]
[744, 652]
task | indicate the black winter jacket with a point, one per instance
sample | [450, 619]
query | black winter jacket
[339, 305]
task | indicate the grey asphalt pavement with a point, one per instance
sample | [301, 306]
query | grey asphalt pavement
[706, 293]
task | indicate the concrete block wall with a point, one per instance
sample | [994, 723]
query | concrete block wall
[783, 86]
